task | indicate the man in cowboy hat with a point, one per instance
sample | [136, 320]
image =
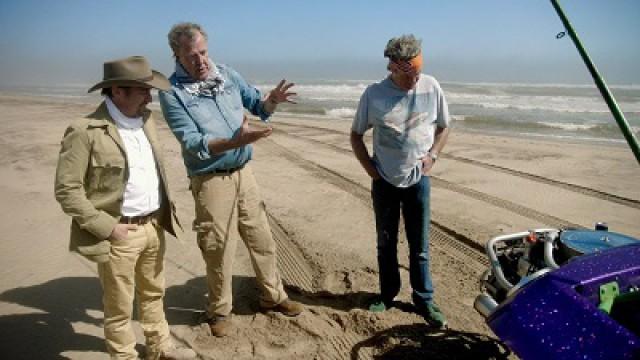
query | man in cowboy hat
[111, 182]
[410, 120]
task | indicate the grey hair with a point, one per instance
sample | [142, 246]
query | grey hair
[188, 29]
[403, 48]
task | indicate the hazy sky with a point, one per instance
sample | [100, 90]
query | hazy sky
[66, 41]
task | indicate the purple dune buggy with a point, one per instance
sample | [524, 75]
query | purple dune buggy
[564, 294]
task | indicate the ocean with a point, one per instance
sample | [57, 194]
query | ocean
[541, 110]
[574, 112]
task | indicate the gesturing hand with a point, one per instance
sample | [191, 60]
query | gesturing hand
[281, 93]
[246, 135]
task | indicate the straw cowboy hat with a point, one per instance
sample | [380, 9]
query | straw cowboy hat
[131, 71]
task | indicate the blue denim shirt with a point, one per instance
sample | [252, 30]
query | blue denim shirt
[196, 119]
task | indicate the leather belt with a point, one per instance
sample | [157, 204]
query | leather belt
[227, 171]
[137, 220]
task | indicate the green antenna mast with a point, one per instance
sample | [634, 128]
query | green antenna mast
[604, 90]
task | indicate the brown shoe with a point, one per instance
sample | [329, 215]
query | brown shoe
[287, 307]
[220, 325]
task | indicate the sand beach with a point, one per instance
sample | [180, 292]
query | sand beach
[319, 204]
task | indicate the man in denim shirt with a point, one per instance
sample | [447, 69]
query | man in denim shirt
[205, 111]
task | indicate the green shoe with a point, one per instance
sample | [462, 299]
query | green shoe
[377, 306]
[434, 316]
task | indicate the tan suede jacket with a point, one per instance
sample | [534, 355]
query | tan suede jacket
[90, 180]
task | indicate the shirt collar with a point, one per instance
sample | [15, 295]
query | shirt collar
[122, 121]
[182, 75]
[211, 86]
[389, 82]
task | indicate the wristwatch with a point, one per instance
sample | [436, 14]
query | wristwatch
[433, 156]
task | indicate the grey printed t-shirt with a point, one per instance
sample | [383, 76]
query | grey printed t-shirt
[404, 124]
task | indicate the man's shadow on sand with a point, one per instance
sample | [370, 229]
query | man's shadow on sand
[420, 341]
[49, 333]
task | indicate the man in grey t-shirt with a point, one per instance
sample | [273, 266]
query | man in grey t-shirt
[410, 120]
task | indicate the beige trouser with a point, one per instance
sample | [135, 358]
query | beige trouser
[135, 264]
[226, 204]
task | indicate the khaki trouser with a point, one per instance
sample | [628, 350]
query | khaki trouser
[135, 264]
[226, 204]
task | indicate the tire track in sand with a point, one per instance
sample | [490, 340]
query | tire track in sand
[456, 245]
[293, 267]
[439, 182]
[296, 272]
[579, 189]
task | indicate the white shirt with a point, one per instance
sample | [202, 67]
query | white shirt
[142, 191]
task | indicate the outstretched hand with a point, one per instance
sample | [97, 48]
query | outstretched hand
[247, 135]
[281, 93]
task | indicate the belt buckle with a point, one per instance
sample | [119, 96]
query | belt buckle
[147, 218]
[137, 220]
[225, 171]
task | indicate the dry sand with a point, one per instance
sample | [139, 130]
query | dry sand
[318, 199]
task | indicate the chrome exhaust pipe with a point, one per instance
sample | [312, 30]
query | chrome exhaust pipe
[485, 305]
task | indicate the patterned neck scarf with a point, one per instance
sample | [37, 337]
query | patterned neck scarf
[211, 86]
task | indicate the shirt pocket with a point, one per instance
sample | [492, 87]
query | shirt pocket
[232, 96]
[107, 171]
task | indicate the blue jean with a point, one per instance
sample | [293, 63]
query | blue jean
[388, 200]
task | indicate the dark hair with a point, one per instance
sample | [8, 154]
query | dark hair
[108, 92]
